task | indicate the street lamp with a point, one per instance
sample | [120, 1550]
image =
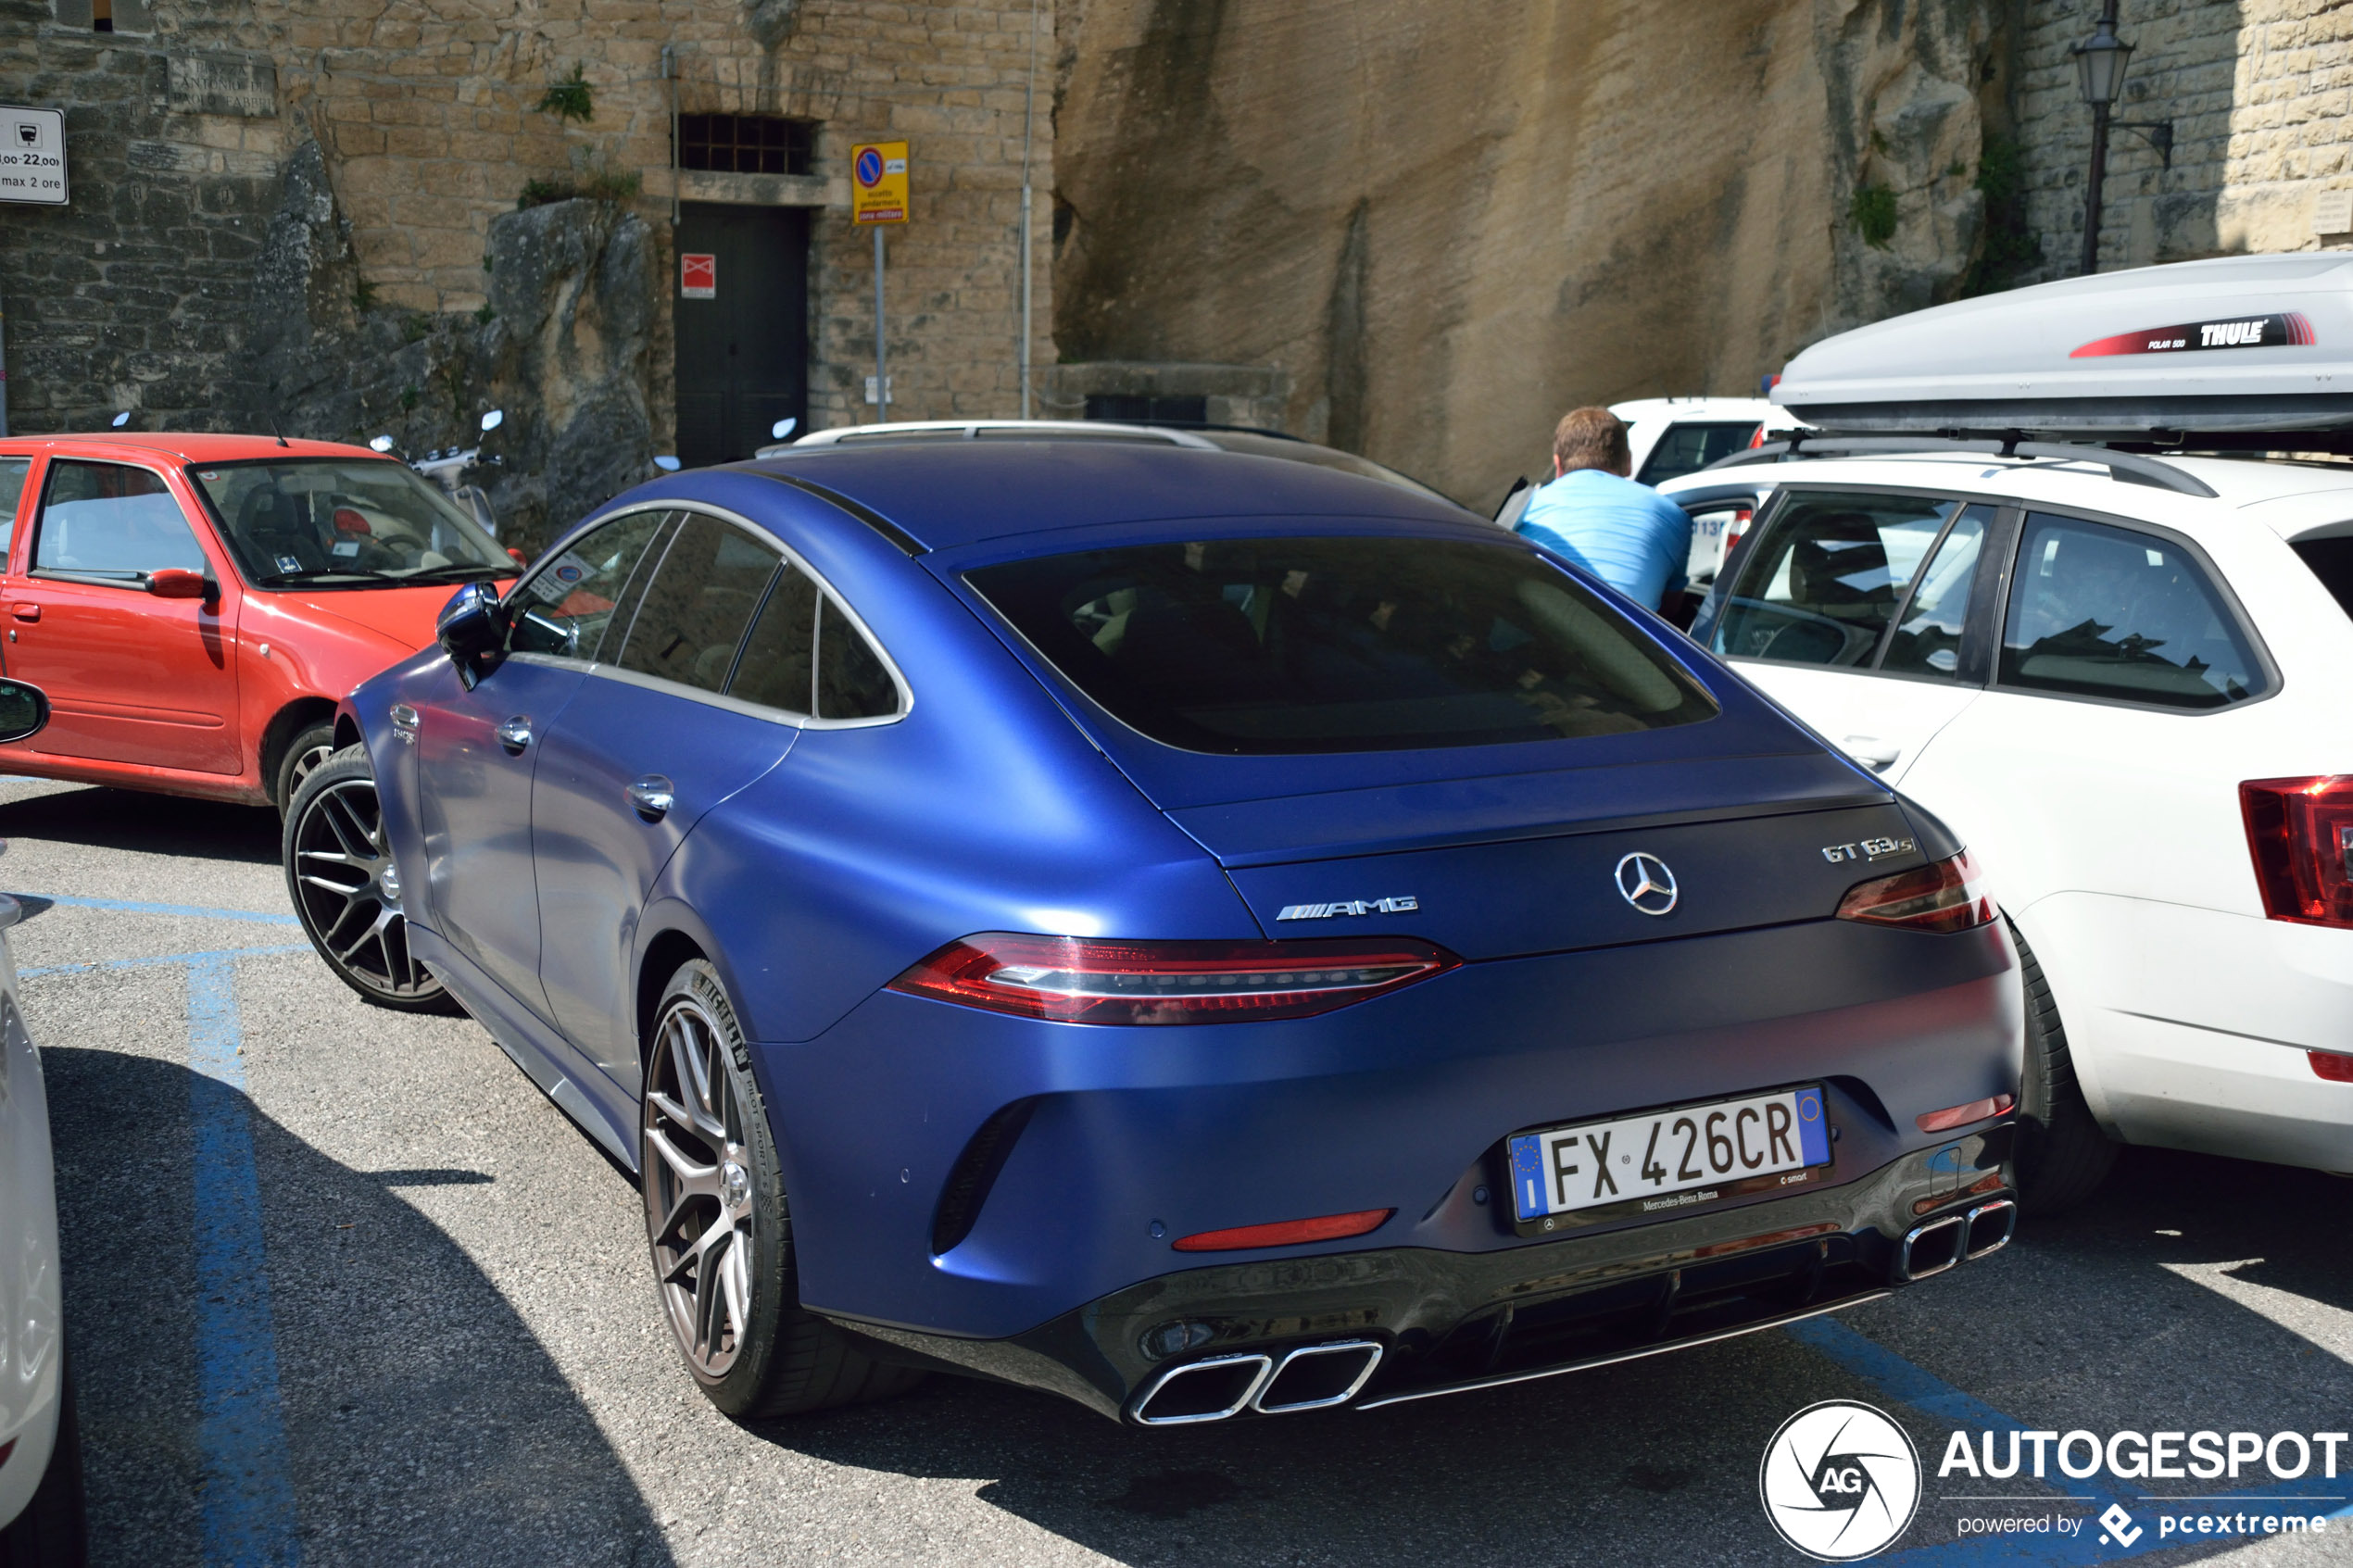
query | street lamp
[2100, 62]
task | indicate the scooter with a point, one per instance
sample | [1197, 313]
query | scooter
[446, 468]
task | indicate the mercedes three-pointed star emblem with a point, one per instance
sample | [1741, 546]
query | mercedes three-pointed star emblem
[1645, 882]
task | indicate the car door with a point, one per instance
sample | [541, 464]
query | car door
[131, 677]
[477, 749]
[1853, 610]
[651, 742]
[2124, 670]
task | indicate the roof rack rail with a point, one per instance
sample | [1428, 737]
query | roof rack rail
[2131, 468]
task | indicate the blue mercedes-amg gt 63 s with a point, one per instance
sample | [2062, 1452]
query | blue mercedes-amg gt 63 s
[1202, 935]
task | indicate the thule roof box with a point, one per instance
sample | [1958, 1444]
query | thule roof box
[2239, 352]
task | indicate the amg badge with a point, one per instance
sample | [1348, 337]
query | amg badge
[1398, 905]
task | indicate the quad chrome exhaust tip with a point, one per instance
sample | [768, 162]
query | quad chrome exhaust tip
[1308, 1378]
[1950, 1240]
[1317, 1377]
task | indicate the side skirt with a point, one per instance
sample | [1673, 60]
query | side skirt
[579, 1089]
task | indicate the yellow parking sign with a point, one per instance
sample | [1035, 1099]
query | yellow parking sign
[878, 182]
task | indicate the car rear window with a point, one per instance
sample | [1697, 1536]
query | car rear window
[1689, 448]
[1321, 644]
[2332, 563]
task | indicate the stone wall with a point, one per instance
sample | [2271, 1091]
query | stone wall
[143, 294]
[2259, 93]
[1443, 232]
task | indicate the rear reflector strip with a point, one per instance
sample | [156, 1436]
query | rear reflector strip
[1287, 1233]
[1074, 981]
[1962, 1115]
[2335, 1068]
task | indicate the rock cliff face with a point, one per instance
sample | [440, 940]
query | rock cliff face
[563, 347]
[1448, 225]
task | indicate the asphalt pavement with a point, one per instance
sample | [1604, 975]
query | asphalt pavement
[343, 1288]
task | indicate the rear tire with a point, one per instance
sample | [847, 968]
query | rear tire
[720, 1229]
[345, 887]
[2062, 1156]
[50, 1532]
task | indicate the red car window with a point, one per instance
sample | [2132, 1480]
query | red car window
[113, 520]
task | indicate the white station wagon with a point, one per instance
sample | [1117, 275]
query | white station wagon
[2123, 676]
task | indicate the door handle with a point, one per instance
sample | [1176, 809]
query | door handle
[652, 796]
[515, 733]
[1879, 754]
[24, 609]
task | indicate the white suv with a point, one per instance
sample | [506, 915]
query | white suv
[2127, 683]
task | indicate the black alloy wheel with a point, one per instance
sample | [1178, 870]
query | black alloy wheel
[718, 1229]
[345, 887]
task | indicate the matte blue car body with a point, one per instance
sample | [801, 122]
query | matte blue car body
[812, 866]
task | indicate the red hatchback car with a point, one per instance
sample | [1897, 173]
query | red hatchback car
[194, 604]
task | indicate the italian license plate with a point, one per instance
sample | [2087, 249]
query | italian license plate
[1672, 1158]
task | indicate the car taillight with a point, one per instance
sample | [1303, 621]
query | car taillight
[2300, 832]
[1946, 896]
[1074, 980]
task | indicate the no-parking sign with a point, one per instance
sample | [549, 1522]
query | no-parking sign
[878, 182]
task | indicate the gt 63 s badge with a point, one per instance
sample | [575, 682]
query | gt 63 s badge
[1840, 1481]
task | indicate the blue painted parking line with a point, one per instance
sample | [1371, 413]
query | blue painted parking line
[1931, 1395]
[248, 1496]
[247, 1501]
[129, 907]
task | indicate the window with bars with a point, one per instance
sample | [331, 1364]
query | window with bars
[745, 143]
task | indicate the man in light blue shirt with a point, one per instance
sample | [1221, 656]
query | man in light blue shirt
[1627, 534]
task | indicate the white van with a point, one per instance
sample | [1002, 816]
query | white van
[2110, 640]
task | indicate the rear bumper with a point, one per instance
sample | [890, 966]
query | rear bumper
[1120, 1142]
[1452, 1322]
[2190, 1027]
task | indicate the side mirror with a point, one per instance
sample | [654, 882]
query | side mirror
[380, 444]
[493, 420]
[470, 628]
[666, 464]
[23, 710]
[781, 429]
[175, 583]
[122, 418]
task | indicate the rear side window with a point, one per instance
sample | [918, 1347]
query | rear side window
[111, 520]
[1325, 644]
[1687, 448]
[2110, 612]
[1825, 580]
[12, 472]
[805, 656]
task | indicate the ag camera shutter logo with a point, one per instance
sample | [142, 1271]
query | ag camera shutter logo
[1840, 1481]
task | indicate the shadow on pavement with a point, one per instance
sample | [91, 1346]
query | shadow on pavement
[146, 824]
[2281, 1223]
[1649, 1461]
[424, 1423]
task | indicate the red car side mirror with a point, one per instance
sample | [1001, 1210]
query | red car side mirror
[176, 582]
